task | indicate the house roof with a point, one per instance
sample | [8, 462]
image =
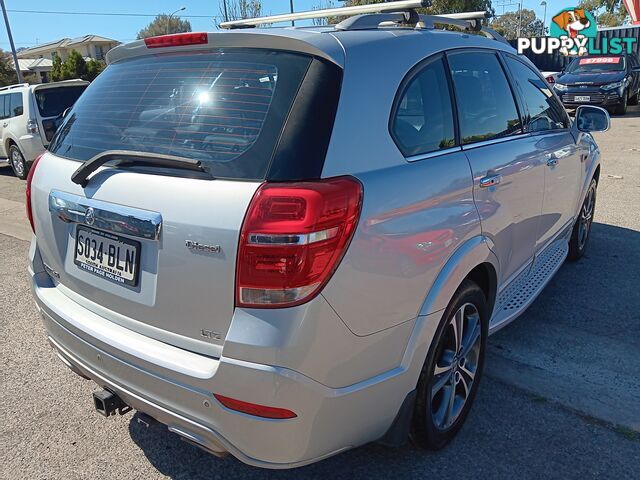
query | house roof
[31, 64]
[63, 43]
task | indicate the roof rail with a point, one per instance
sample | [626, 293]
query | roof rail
[398, 6]
[17, 85]
[470, 21]
[365, 17]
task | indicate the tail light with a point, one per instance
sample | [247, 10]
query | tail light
[32, 126]
[550, 79]
[32, 171]
[177, 40]
[254, 409]
[293, 238]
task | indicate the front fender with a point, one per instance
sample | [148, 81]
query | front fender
[473, 252]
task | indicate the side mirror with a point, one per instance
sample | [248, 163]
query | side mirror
[591, 119]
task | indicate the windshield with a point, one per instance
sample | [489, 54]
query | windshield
[53, 101]
[225, 108]
[596, 64]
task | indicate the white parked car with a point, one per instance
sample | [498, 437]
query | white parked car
[29, 116]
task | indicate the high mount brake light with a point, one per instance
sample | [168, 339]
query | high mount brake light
[293, 238]
[27, 191]
[177, 40]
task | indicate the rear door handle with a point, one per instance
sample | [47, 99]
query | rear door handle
[5, 124]
[490, 180]
[552, 161]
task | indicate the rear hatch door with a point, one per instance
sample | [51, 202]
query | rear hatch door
[150, 247]
[51, 101]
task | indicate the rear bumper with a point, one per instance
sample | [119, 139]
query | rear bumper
[176, 387]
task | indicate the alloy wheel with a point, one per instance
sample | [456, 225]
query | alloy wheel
[456, 365]
[17, 162]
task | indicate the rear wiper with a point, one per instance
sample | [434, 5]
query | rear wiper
[81, 175]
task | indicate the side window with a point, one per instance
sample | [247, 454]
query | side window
[544, 110]
[423, 119]
[486, 108]
[16, 104]
[4, 106]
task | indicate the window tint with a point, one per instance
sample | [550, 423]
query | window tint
[544, 110]
[54, 101]
[224, 108]
[15, 107]
[423, 120]
[486, 108]
[4, 106]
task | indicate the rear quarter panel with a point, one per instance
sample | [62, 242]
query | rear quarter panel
[414, 216]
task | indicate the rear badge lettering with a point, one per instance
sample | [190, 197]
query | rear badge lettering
[210, 335]
[200, 247]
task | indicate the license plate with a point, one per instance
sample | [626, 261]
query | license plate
[583, 98]
[109, 256]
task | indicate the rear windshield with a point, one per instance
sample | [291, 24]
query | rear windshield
[54, 101]
[225, 108]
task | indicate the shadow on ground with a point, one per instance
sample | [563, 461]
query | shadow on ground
[509, 433]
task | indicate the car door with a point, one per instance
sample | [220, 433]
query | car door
[547, 122]
[507, 170]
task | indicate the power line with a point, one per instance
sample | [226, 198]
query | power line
[106, 14]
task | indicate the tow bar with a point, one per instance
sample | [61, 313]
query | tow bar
[108, 403]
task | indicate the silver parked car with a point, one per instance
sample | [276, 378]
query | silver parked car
[283, 243]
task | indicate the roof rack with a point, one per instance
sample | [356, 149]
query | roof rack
[17, 85]
[366, 17]
[399, 6]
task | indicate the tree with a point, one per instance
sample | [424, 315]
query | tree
[74, 66]
[94, 68]
[239, 9]
[608, 13]
[7, 72]
[163, 25]
[507, 24]
[56, 69]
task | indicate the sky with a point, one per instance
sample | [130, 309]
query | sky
[30, 29]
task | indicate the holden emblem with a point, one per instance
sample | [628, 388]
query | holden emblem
[89, 216]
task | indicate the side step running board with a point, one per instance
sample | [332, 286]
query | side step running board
[522, 291]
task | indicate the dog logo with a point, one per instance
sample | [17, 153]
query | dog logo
[574, 23]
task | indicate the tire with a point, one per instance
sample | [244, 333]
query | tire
[18, 164]
[622, 108]
[582, 228]
[436, 421]
[635, 99]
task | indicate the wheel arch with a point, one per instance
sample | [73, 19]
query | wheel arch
[472, 260]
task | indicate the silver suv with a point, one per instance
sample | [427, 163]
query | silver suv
[283, 243]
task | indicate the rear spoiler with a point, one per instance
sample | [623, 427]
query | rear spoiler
[257, 38]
